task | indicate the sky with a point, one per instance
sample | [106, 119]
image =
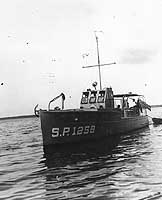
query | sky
[43, 45]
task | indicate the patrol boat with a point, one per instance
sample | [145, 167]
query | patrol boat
[102, 114]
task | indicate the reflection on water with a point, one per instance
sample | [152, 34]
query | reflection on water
[100, 173]
[129, 170]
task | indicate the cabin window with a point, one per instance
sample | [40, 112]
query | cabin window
[84, 99]
[118, 103]
[101, 97]
[92, 100]
[93, 97]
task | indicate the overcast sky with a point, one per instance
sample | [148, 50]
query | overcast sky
[42, 43]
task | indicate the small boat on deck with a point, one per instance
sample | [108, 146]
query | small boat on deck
[157, 120]
[101, 115]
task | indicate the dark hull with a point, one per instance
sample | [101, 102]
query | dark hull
[66, 127]
[157, 120]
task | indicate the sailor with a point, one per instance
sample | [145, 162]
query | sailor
[125, 103]
[118, 107]
[137, 106]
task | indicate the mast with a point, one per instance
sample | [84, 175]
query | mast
[99, 67]
[98, 59]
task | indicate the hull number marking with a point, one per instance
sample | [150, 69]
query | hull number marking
[70, 131]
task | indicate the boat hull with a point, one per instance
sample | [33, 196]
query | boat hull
[157, 120]
[65, 127]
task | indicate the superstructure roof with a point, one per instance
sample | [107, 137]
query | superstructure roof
[127, 95]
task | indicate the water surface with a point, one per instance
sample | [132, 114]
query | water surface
[132, 170]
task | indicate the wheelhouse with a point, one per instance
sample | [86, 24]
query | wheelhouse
[97, 99]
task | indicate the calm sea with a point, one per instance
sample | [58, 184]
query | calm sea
[132, 170]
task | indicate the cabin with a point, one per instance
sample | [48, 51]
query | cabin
[128, 104]
[97, 99]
